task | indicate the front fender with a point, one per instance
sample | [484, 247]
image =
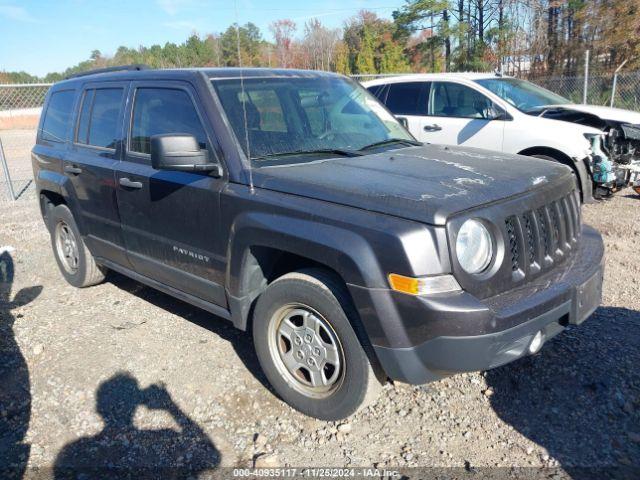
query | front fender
[343, 251]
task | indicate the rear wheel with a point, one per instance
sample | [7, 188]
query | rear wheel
[76, 263]
[308, 347]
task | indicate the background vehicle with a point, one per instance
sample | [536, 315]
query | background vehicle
[488, 111]
[294, 205]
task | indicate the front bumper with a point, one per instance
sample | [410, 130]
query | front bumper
[436, 337]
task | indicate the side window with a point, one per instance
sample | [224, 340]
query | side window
[456, 100]
[55, 124]
[163, 110]
[99, 116]
[407, 98]
[377, 91]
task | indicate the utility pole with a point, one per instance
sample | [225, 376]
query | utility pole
[586, 78]
[615, 82]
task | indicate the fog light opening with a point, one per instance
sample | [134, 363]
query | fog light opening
[536, 343]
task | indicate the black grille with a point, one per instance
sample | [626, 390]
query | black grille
[542, 237]
[544, 234]
[513, 244]
[531, 243]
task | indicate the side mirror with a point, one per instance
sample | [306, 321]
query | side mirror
[181, 152]
[498, 113]
[403, 121]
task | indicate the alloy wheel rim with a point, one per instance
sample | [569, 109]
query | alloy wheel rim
[67, 247]
[306, 350]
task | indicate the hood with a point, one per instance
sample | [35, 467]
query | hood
[427, 183]
[605, 113]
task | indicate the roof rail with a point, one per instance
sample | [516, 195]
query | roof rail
[120, 68]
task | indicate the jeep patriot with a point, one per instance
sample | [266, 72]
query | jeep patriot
[294, 205]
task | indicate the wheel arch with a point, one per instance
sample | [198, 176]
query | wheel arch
[48, 200]
[259, 254]
[579, 167]
[55, 189]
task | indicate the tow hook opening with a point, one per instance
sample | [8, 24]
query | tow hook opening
[536, 342]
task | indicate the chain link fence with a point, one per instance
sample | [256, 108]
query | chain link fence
[21, 105]
[20, 108]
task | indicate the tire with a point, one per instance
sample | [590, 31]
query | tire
[77, 265]
[343, 375]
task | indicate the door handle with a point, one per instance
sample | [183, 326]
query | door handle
[126, 183]
[72, 169]
[432, 128]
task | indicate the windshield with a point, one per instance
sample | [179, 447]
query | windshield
[523, 95]
[285, 116]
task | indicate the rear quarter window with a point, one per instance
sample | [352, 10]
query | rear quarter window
[57, 117]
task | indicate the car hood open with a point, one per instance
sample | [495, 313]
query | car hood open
[604, 113]
[426, 183]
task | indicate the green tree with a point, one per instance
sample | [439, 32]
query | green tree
[365, 59]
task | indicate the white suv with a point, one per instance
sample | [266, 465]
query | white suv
[600, 144]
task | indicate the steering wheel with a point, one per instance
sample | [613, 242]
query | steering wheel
[328, 135]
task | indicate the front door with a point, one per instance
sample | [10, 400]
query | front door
[460, 115]
[170, 219]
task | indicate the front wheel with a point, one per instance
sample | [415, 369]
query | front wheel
[305, 333]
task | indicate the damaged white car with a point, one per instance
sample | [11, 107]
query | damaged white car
[600, 144]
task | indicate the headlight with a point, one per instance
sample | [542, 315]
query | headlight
[474, 247]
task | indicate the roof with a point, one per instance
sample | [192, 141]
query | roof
[185, 73]
[416, 77]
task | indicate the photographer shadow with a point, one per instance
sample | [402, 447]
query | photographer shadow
[15, 387]
[578, 397]
[122, 449]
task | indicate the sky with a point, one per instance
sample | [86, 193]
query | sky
[40, 36]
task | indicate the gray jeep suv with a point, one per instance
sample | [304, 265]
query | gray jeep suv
[294, 205]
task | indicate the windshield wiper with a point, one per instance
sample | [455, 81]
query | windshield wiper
[336, 151]
[391, 141]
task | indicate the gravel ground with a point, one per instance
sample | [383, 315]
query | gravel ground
[120, 374]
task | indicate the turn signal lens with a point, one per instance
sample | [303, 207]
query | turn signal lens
[423, 285]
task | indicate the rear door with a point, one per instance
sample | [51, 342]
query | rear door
[90, 165]
[408, 102]
[461, 115]
[170, 219]
[53, 136]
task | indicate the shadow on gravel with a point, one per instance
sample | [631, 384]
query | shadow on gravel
[15, 389]
[579, 398]
[242, 342]
[122, 450]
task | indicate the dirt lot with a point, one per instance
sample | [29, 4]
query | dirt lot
[76, 368]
